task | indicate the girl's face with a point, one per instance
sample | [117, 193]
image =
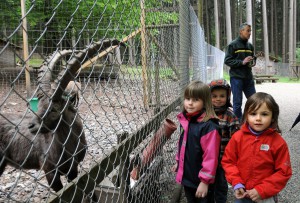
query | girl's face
[219, 97]
[192, 105]
[260, 119]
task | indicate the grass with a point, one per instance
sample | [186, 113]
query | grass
[281, 79]
[288, 80]
[35, 62]
[226, 76]
[137, 70]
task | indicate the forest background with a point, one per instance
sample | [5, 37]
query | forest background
[280, 16]
[280, 36]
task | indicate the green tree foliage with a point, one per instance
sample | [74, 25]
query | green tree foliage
[54, 23]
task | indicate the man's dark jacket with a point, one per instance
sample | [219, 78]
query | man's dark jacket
[236, 52]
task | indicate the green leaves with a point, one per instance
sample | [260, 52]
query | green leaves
[58, 20]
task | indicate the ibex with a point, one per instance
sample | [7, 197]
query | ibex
[52, 139]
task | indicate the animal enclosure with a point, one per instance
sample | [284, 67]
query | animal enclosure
[132, 61]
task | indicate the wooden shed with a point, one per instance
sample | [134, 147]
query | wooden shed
[259, 68]
[8, 54]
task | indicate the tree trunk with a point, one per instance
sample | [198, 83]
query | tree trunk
[234, 15]
[276, 37]
[200, 12]
[291, 32]
[295, 32]
[217, 34]
[266, 40]
[223, 24]
[207, 30]
[253, 27]
[298, 24]
[249, 15]
[228, 21]
[284, 32]
[131, 53]
[241, 14]
[271, 28]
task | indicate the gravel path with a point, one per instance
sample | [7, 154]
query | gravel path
[288, 98]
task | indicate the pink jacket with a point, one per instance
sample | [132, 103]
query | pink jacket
[200, 141]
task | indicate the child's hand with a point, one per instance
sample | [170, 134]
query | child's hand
[174, 168]
[253, 194]
[202, 190]
[240, 193]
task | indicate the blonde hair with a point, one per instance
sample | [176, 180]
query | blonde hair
[199, 90]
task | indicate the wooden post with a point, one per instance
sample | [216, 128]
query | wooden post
[123, 175]
[143, 53]
[25, 48]
[149, 75]
[157, 87]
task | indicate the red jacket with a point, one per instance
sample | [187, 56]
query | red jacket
[261, 162]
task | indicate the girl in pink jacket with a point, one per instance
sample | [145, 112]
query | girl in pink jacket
[199, 143]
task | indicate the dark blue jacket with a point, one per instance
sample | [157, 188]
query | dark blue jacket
[236, 52]
[198, 151]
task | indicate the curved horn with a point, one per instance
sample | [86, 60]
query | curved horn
[45, 71]
[68, 74]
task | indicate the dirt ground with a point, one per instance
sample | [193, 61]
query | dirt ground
[107, 109]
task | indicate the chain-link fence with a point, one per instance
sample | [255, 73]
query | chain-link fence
[89, 96]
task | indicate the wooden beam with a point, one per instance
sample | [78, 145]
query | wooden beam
[106, 51]
[143, 55]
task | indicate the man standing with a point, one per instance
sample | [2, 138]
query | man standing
[240, 58]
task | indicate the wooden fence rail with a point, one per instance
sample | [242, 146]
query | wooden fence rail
[85, 184]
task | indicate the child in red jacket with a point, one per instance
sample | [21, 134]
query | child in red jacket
[256, 160]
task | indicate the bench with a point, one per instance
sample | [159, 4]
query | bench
[262, 78]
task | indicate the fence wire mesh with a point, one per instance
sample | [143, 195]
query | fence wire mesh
[88, 92]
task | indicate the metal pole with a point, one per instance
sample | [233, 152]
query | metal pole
[25, 48]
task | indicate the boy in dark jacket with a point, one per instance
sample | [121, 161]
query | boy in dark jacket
[229, 124]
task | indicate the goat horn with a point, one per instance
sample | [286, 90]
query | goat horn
[68, 74]
[45, 71]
